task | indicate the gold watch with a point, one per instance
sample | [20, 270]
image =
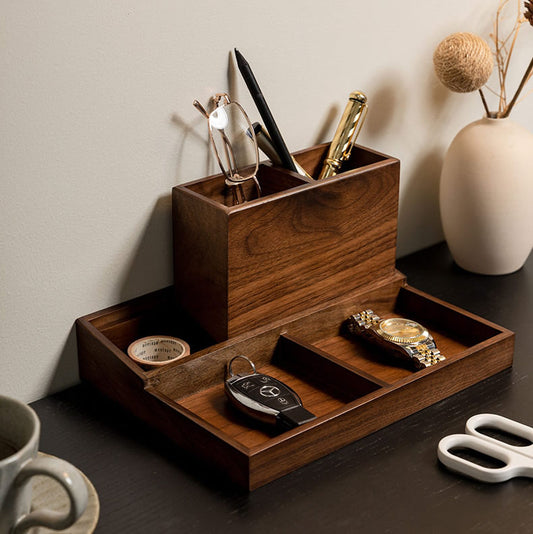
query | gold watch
[406, 338]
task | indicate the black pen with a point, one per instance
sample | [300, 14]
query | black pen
[264, 111]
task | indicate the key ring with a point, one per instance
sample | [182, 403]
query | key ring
[230, 363]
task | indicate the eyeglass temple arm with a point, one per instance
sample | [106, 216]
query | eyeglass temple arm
[201, 109]
[230, 155]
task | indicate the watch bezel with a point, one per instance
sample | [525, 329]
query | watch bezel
[414, 340]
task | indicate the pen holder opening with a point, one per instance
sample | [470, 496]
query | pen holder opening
[312, 159]
[271, 180]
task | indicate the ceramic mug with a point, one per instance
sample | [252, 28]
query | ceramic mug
[19, 443]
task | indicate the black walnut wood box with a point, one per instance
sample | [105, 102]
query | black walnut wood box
[274, 279]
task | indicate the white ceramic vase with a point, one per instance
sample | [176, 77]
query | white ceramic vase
[486, 196]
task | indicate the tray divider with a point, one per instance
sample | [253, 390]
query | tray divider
[317, 365]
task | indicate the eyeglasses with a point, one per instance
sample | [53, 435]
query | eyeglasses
[234, 144]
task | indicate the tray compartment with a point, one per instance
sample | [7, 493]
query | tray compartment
[460, 328]
[160, 317]
[456, 334]
[103, 338]
[323, 384]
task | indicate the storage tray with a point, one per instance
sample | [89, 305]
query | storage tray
[352, 387]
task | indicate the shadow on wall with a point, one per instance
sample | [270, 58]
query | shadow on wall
[330, 121]
[439, 99]
[419, 211]
[386, 107]
[197, 133]
[189, 132]
[419, 203]
[151, 265]
[149, 269]
[66, 371]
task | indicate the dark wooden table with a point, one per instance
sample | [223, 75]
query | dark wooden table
[390, 481]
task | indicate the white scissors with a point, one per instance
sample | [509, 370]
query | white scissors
[518, 460]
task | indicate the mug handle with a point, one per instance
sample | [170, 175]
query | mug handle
[69, 477]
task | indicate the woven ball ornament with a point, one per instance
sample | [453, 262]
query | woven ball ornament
[463, 62]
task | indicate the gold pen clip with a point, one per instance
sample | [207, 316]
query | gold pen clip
[346, 134]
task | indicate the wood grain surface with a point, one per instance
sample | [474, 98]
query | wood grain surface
[301, 244]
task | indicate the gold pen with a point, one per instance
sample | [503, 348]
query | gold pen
[347, 131]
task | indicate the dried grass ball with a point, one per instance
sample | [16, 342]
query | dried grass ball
[463, 62]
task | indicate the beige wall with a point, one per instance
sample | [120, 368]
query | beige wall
[96, 126]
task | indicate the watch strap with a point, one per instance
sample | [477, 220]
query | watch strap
[362, 321]
[423, 354]
[426, 354]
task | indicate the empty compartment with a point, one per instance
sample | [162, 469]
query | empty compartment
[457, 329]
[323, 385]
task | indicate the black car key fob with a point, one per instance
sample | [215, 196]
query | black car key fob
[265, 398]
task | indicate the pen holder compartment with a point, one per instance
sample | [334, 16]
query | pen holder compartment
[312, 159]
[271, 180]
[302, 244]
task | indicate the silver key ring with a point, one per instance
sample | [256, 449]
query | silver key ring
[230, 363]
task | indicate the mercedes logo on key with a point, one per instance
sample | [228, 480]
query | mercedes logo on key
[269, 391]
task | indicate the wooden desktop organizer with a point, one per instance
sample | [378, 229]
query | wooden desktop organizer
[274, 279]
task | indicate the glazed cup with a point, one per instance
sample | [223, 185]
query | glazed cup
[19, 444]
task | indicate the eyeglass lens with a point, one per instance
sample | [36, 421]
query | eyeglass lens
[235, 149]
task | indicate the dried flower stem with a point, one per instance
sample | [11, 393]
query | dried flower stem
[503, 51]
[484, 102]
[498, 52]
[525, 79]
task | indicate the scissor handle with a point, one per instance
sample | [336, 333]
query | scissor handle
[499, 422]
[515, 464]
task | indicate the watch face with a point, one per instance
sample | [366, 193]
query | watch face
[401, 330]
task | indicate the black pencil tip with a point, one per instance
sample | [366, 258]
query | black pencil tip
[240, 57]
